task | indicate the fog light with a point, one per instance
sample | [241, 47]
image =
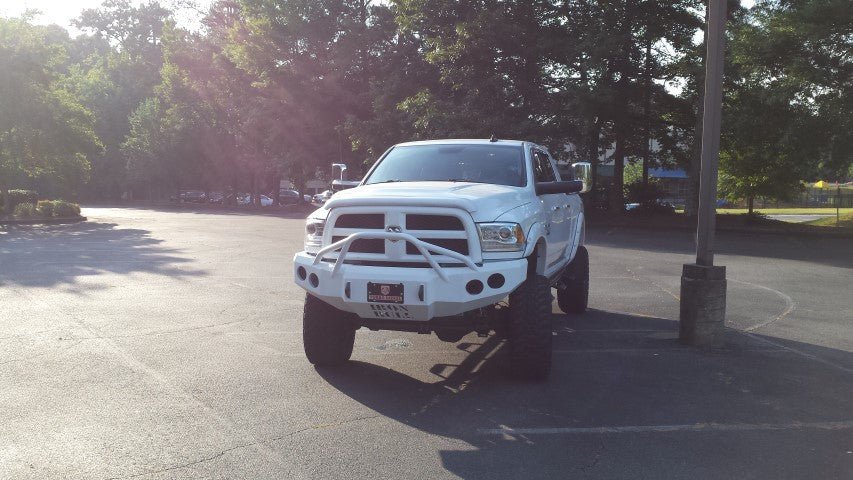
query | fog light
[315, 282]
[301, 273]
[496, 280]
[474, 287]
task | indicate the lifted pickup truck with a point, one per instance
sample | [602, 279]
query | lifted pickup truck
[435, 238]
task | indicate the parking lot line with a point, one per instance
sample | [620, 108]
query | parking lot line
[695, 427]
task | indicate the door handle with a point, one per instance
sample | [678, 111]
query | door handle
[555, 208]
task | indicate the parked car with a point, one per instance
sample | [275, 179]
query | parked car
[216, 197]
[308, 198]
[659, 206]
[189, 196]
[288, 197]
[321, 198]
[246, 199]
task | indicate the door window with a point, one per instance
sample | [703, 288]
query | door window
[542, 169]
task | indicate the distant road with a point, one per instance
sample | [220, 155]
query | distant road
[797, 218]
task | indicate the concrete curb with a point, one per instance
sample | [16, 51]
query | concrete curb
[42, 221]
[746, 231]
[205, 206]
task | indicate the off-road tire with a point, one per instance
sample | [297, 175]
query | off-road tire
[327, 335]
[529, 329]
[573, 289]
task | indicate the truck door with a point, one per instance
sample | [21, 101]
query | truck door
[543, 171]
[572, 207]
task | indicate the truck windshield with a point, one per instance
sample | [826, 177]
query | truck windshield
[498, 164]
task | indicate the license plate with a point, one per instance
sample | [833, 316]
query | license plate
[384, 292]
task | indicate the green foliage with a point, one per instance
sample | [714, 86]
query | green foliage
[63, 209]
[275, 89]
[25, 210]
[45, 208]
[647, 195]
[45, 132]
[786, 117]
[14, 197]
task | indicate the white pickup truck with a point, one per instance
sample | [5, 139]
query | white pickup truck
[436, 238]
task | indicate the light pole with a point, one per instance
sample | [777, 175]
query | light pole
[703, 285]
[343, 168]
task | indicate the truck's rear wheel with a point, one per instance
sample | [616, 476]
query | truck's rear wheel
[573, 288]
[529, 332]
[326, 334]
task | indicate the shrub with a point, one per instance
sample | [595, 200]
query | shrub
[25, 210]
[61, 208]
[19, 196]
[46, 208]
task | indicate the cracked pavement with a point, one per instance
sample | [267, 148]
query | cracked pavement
[160, 344]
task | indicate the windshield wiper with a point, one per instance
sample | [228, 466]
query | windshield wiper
[393, 180]
[468, 180]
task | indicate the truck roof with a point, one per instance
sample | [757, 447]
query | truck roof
[463, 141]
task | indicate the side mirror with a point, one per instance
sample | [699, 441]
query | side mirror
[570, 186]
[582, 171]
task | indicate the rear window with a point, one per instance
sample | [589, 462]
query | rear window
[497, 164]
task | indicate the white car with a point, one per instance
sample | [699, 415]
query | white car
[247, 200]
[321, 198]
[437, 235]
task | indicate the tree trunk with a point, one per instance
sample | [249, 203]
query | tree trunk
[277, 191]
[592, 151]
[750, 202]
[617, 196]
[647, 110]
[256, 200]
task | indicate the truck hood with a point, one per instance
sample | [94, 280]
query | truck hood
[484, 201]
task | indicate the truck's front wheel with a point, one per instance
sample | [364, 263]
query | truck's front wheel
[326, 334]
[573, 288]
[529, 333]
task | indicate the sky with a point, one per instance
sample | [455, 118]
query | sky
[61, 12]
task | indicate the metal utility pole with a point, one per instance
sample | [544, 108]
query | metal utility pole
[703, 286]
[711, 133]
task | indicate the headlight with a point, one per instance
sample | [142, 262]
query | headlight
[314, 233]
[501, 237]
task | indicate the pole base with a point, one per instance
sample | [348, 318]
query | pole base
[703, 306]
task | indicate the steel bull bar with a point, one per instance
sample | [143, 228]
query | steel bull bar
[423, 247]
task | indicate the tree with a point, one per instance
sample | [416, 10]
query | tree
[787, 112]
[117, 67]
[770, 160]
[44, 131]
[804, 48]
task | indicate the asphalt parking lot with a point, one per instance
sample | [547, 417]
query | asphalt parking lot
[162, 344]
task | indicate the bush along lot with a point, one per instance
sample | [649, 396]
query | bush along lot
[15, 197]
[35, 210]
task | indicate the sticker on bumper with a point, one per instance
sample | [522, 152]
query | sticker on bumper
[390, 311]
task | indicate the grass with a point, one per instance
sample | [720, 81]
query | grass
[786, 211]
[846, 220]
